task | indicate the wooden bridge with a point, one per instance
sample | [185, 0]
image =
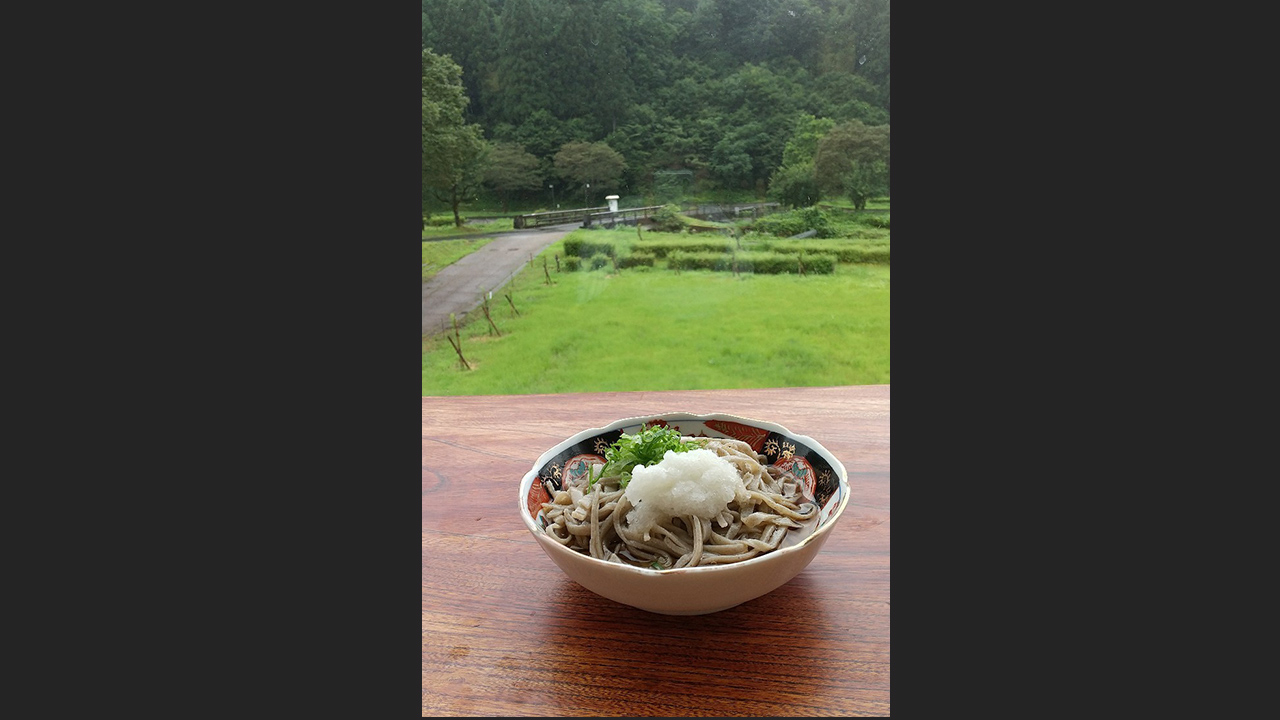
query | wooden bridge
[604, 217]
[555, 217]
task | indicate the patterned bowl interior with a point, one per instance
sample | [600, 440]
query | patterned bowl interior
[812, 472]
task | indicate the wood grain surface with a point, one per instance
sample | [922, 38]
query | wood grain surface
[505, 632]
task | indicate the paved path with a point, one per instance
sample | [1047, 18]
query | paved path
[459, 288]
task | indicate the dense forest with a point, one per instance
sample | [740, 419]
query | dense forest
[527, 100]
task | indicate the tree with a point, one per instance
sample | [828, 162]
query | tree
[795, 185]
[803, 144]
[521, 81]
[509, 168]
[731, 160]
[466, 31]
[590, 164]
[865, 180]
[853, 159]
[452, 149]
[845, 96]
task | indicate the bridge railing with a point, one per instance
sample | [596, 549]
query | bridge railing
[554, 217]
[609, 218]
[630, 215]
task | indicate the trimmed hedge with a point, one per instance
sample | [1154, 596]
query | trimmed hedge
[845, 251]
[599, 260]
[587, 248]
[636, 260]
[663, 248]
[760, 263]
[794, 222]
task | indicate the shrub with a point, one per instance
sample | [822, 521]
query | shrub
[598, 261]
[636, 260]
[588, 248]
[794, 185]
[844, 250]
[572, 263]
[766, 263]
[668, 219]
[663, 248]
[693, 261]
[784, 264]
[878, 254]
[795, 222]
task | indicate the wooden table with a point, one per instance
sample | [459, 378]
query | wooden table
[504, 632]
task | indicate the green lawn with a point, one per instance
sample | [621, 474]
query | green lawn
[659, 330]
[438, 254]
[436, 231]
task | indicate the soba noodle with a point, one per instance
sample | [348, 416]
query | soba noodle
[594, 520]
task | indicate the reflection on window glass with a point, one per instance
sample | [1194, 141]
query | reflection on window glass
[654, 194]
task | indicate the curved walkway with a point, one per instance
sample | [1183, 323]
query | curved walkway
[459, 288]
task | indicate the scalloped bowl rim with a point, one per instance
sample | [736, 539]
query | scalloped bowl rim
[549, 545]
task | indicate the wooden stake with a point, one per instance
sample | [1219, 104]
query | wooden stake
[544, 269]
[457, 344]
[485, 306]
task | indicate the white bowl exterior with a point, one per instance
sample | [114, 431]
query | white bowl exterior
[682, 591]
[685, 591]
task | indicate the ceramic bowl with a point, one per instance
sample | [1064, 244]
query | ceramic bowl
[696, 590]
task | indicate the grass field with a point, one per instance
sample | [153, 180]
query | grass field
[437, 231]
[659, 330]
[438, 254]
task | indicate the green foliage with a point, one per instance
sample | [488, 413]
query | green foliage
[576, 245]
[510, 169]
[843, 250]
[853, 160]
[803, 144]
[646, 447]
[730, 160]
[462, 30]
[668, 218]
[731, 91]
[795, 186]
[598, 261]
[842, 96]
[452, 150]
[761, 263]
[662, 248]
[594, 164]
[865, 180]
[794, 222]
[636, 260]
[519, 82]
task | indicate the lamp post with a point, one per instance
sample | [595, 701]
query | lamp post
[584, 195]
[553, 194]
